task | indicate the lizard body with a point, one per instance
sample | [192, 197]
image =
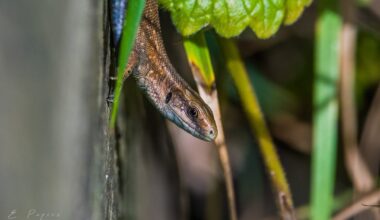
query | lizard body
[166, 90]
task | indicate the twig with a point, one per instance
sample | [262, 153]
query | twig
[360, 205]
[357, 168]
[370, 142]
[200, 63]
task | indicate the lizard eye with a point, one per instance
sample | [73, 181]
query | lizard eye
[192, 112]
[168, 97]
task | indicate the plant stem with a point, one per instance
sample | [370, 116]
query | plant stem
[325, 114]
[200, 63]
[247, 94]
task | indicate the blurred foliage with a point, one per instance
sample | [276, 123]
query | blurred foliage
[325, 115]
[367, 68]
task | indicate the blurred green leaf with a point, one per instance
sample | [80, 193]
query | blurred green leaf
[230, 18]
[325, 113]
[367, 68]
[273, 98]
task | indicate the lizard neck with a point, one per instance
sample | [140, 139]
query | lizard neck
[154, 72]
[165, 89]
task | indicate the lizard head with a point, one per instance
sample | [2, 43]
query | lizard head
[188, 111]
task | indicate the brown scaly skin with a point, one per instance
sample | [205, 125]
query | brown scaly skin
[168, 92]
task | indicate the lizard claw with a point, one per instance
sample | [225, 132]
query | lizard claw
[113, 78]
[110, 98]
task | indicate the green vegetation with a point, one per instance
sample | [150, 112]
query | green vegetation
[230, 18]
[264, 17]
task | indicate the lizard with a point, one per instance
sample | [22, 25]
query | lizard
[149, 64]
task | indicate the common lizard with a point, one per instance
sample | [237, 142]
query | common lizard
[166, 90]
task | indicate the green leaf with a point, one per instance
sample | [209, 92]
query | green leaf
[199, 59]
[132, 19]
[325, 115]
[231, 17]
[294, 10]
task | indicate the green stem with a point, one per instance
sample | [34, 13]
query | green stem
[247, 94]
[325, 110]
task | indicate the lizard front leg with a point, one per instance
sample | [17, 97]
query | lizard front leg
[132, 64]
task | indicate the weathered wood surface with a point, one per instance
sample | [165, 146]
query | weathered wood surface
[55, 155]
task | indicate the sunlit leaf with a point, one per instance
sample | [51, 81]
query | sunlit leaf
[231, 17]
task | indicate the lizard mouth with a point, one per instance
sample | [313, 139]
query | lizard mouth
[208, 136]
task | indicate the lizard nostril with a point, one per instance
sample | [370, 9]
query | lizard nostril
[211, 132]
